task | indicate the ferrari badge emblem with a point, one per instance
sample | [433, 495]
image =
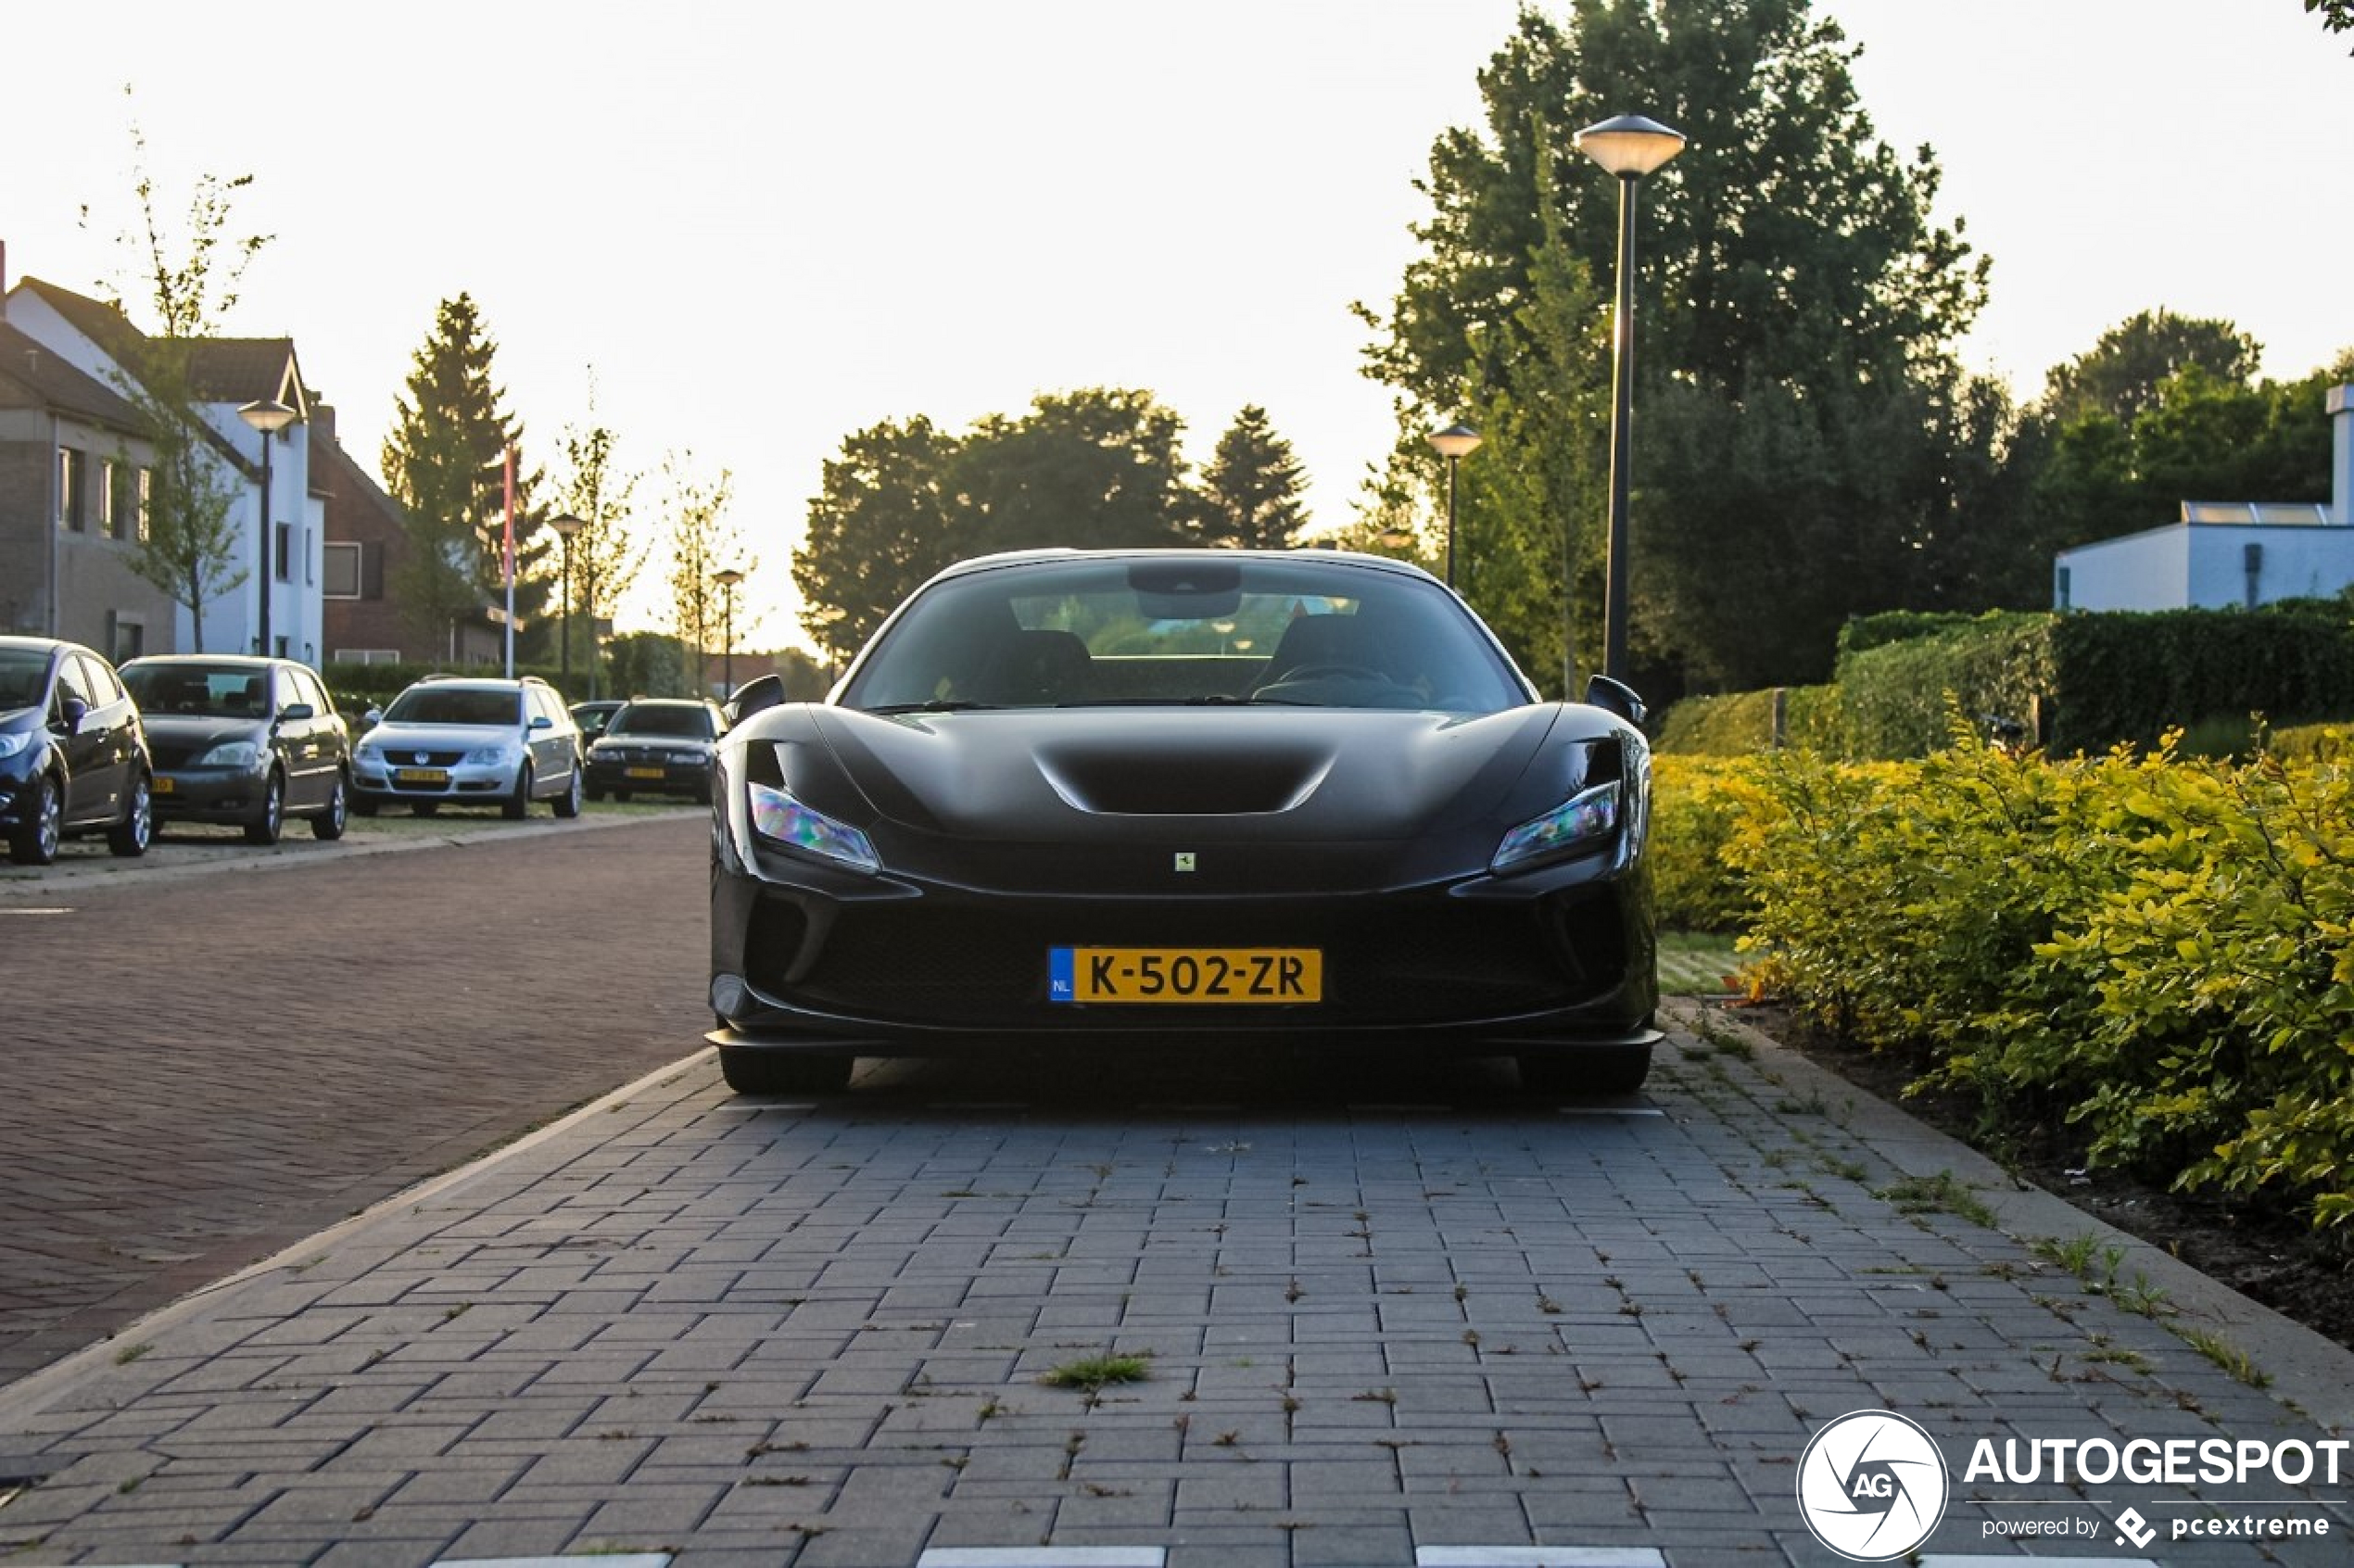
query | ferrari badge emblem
[1184, 860]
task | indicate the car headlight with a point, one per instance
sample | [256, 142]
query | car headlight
[490, 756]
[231, 753]
[11, 744]
[1584, 821]
[775, 816]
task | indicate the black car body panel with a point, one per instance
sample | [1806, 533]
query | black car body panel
[1003, 835]
[73, 754]
[226, 730]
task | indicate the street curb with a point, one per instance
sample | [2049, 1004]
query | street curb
[2319, 1369]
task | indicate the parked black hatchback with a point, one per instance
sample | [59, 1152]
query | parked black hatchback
[244, 740]
[74, 758]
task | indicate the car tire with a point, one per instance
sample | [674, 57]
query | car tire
[266, 828]
[1569, 1072]
[568, 804]
[621, 797]
[784, 1072]
[517, 806]
[130, 837]
[423, 808]
[366, 805]
[39, 827]
[329, 824]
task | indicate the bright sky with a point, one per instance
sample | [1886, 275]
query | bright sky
[764, 224]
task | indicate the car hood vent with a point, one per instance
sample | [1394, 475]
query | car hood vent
[1181, 776]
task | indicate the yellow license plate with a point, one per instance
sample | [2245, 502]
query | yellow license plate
[422, 775]
[644, 772]
[1178, 975]
[165, 784]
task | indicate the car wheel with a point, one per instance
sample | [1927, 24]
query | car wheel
[423, 808]
[367, 805]
[33, 842]
[1571, 1072]
[329, 824]
[515, 805]
[265, 829]
[132, 835]
[621, 797]
[568, 804]
[784, 1072]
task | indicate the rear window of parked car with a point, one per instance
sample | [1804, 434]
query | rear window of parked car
[647, 719]
[443, 704]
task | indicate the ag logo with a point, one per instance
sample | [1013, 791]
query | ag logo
[1871, 1485]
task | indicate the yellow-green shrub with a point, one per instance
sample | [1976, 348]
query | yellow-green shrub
[1695, 802]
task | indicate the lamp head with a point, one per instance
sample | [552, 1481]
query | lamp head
[1629, 145]
[1458, 440]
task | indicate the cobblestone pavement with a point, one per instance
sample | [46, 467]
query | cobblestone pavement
[214, 1051]
[1370, 1318]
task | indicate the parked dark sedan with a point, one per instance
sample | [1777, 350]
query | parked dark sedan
[1181, 798]
[74, 758]
[657, 746]
[244, 740]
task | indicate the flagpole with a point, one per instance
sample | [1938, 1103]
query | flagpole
[510, 556]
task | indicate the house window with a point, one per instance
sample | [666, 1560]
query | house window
[126, 637]
[286, 553]
[143, 495]
[113, 497]
[339, 562]
[73, 476]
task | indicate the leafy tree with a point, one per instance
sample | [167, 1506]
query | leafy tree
[1251, 491]
[444, 463]
[187, 546]
[879, 526]
[701, 541]
[2119, 375]
[606, 556]
[1096, 467]
[1799, 393]
[2338, 16]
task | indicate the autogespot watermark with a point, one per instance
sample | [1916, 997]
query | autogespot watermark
[1873, 1485]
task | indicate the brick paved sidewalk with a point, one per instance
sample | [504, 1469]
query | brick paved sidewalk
[1375, 1331]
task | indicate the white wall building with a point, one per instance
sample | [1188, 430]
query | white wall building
[2225, 553]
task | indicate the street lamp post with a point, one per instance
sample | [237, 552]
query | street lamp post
[1629, 147]
[269, 416]
[566, 525]
[1455, 443]
[727, 578]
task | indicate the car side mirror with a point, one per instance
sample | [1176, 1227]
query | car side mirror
[754, 696]
[75, 710]
[372, 718]
[1617, 697]
[542, 721]
[293, 711]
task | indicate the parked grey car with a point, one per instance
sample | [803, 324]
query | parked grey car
[467, 740]
[74, 758]
[243, 741]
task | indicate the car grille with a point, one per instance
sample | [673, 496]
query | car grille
[415, 756]
[1428, 961]
[169, 755]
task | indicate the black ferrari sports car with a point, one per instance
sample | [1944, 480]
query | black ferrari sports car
[1098, 798]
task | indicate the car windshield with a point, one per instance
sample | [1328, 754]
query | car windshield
[24, 673]
[667, 719]
[455, 705]
[199, 691]
[1178, 630]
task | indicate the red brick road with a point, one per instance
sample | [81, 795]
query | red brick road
[201, 1070]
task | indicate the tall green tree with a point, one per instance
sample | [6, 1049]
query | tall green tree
[186, 545]
[1798, 393]
[444, 463]
[2120, 374]
[1252, 490]
[879, 527]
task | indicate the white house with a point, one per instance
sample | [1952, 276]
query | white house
[2226, 554]
[228, 374]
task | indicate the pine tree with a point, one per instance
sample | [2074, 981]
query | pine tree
[1251, 490]
[444, 463]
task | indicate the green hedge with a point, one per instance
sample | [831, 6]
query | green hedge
[2076, 682]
